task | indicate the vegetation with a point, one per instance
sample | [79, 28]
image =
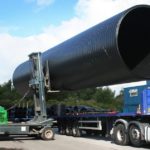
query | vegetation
[100, 98]
[7, 96]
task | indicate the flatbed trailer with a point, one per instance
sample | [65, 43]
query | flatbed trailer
[124, 128]
[130, 126]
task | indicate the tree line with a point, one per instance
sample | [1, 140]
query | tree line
[100, 98]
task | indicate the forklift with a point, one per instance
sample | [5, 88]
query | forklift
[40, 125]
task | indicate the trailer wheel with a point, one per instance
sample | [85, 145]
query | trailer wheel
[120, 135]
[62, 131]
[76, 132]
[47, 134]
[69, 131]
[135, 136]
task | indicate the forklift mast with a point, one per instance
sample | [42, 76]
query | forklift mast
[37, 86]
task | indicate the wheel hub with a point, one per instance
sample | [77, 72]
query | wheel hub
[74, 131]
[136, 134]
[48, 134]
[120, 135]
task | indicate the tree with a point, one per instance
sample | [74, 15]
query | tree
[8, 97]
[119, 101]
[104, 95]
[95, 97]
[86, 94]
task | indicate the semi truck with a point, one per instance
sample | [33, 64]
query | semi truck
[132, 125]
[112, 52]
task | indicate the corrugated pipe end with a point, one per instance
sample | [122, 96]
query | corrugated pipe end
[134, 36]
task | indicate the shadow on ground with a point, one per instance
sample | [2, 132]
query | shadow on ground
[17, 138]
[3, 148]
[96, 137]
[20, 138]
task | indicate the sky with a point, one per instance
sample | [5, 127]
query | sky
[28, 26]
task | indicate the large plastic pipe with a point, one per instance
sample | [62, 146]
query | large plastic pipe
[114, 51]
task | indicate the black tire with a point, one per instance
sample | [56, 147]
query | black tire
[135, 136]
[47, 134]
[121, 137]
[76, 132]
[68, 131]
[62, 131]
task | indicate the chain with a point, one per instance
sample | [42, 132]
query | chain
[24, 96]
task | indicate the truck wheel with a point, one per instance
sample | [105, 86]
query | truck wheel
[76, 132]
[120, 135]
[135, 136]
[47, 134]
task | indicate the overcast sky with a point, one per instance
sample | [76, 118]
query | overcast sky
[28, 26]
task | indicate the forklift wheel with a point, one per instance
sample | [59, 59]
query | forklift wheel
[47, 134]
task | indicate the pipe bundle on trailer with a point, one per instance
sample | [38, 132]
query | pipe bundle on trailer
[114, 51]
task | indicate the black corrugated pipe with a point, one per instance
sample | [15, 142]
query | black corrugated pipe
[114, 51]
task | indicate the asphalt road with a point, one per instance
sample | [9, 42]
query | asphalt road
[63, 142]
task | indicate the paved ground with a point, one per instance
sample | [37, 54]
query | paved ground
[62, 142]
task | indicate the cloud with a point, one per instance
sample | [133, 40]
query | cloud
[8, 29]
[89, 13]
[94, 11]
[15, 50]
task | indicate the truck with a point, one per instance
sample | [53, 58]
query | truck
[132, 125]
[102, 55]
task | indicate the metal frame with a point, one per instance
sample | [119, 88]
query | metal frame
[86, 124]
[40, 122]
